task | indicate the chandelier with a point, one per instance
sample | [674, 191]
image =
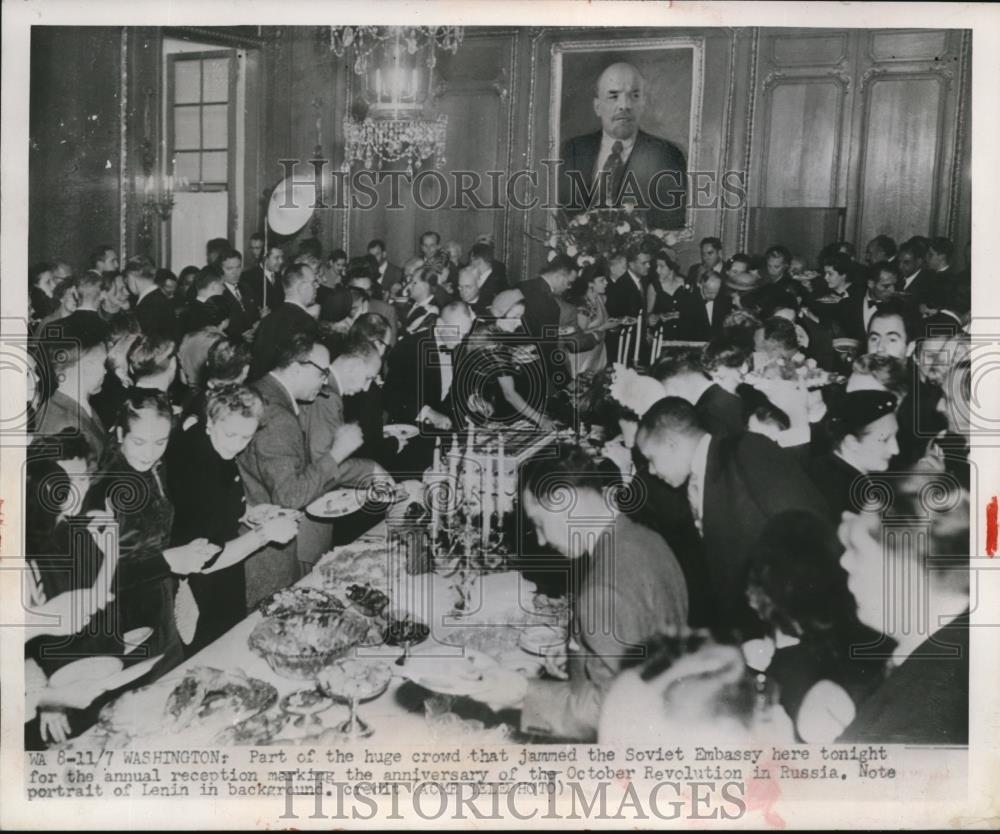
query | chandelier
[390, 121]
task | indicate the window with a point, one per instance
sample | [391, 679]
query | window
[199, 132]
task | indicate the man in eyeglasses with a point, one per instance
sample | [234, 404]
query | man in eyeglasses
[277, 466]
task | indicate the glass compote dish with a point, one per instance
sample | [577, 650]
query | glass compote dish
[351, 681]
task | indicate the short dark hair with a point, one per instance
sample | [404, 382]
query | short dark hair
[206, 277]
[75, 338]
[376, 242]
[216, 246]
[722, 354]
[233, 399]
[883, 266]
[714, 242]
[230, 254]
[372, 326]
[63, 287]
[915, 246]
[337, 255]
[141, 267]
[37, 270]
[671, 415]
[738, 258]
[428, 275]
[293, 274]
[138, 400]
[781, 332]
[483, 251]
[676, 364]
[546, 476]
[560, 263]
[225, 362]
[164, 275]
[775, 251]
[357, 346]
[257, 236]
[662, 256]
[435, 235]
[839, 262]
[97, 254]
[310, 246]
[150, 355]
[896, 307]
[361, 268]
[942, 246]
[294, 348]
[885, 244]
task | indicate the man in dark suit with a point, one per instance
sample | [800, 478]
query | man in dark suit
[917, 279]
[621, 164]
[489, 282]
[421, 370]
[470, 292]
[153, 310]
[541, 320]
[390, 276]
[276, 466]
[292, 316]
[881, 284]
[243, 311]
[629, 589]
[262, 282]
[706, 309]
[499, 267]
[712, 260]
[735, 484]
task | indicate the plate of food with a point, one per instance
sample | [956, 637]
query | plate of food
[400, 431]
[293, 602]
[200, 705]
[257, 730]
[339, 502]
[460, 675]
[87, 670]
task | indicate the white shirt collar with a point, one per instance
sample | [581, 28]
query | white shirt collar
[607, 142]
[696, 482]
[295, 405]
[382, 267]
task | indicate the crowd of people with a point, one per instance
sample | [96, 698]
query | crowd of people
[775, 406]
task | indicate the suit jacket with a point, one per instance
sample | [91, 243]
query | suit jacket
[541, 320]
[414, 378]
[834, 478]
[491, 286]
[720, 412]
[321, 420]
[60, 412]
[748, 479]
[393, 275]
[274, 330]
[695, 326]
[243, 312]
[655, 173]
[156, 316]
[420, 319]
[252, 286]
[632, 589]
[277, 469]
[625, 298]
[921, 284]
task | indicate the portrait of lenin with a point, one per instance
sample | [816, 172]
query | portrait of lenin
[620, 163]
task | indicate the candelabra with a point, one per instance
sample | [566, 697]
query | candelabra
[471, 497]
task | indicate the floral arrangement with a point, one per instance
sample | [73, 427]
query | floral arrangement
[633, 391]
[600, 231]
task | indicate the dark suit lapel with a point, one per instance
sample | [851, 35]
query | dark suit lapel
[588, 148]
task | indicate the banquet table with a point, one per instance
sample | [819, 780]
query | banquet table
[503, 605]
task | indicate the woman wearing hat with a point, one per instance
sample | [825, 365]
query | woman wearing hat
[863, 429]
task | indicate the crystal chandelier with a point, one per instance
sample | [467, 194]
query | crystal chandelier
[390, 122]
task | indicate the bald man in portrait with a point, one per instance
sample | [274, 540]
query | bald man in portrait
[621, 164]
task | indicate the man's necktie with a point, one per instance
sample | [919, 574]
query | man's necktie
[615, 165]
[236, 292]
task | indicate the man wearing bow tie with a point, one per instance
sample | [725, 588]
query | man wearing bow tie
[620, 163]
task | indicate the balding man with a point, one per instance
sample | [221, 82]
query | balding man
[621, 164]
[469, 292]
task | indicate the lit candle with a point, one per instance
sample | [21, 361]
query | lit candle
[638, 339]
[501, 477]
[436, 466]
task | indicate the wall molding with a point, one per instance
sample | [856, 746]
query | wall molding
[744, 223]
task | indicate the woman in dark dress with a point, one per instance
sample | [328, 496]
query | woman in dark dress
[666, 296]
[499, 378]
[924, 695]
[862, 429]
[131, 487]
[205, 488]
